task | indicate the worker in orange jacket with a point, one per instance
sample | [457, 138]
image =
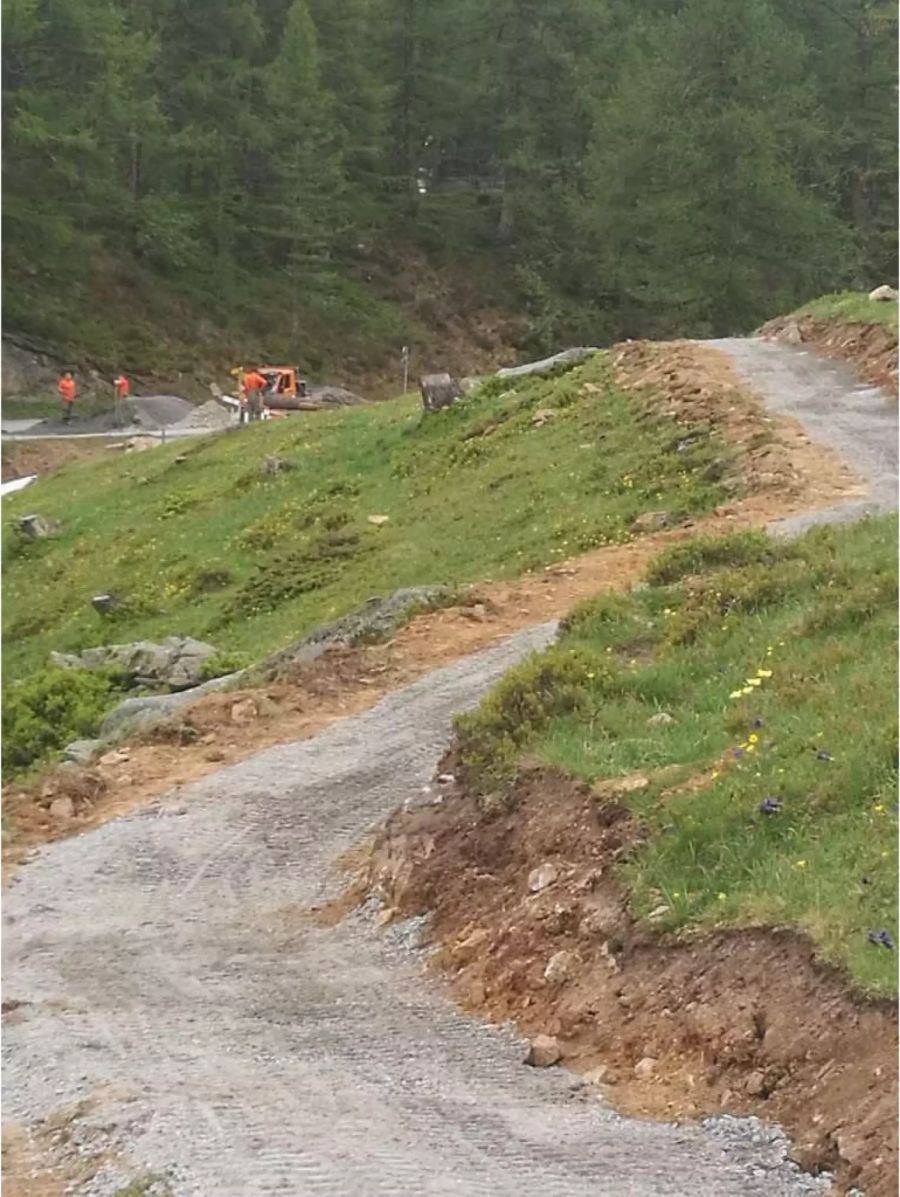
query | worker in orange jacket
[66, 388]
[120, 382]
[254, 385]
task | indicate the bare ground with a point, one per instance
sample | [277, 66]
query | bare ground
[742, 1021]
[870, 348]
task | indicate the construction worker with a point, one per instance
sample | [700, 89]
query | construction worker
[66, 388]
[120, 390]
[254, 385]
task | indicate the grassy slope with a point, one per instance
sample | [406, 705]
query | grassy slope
[850, 307]
[777, 662]
[194, 538]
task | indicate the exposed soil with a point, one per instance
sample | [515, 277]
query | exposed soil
[872, 348]
[746, 1021]
[776, 462]
[21, 458]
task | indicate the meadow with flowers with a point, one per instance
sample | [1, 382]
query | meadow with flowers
[746, 694]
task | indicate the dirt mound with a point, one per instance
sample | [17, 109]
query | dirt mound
[22, 458]
[871, 348]
[531, 924]
[771, 457]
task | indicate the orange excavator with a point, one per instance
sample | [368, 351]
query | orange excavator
[285, 384]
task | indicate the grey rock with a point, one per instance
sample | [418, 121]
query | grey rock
[276, 465]
[373, 620]
[544, 1051]
[104, 604]
[566, 360]
[177, 662]
[660, 719]
[438, 390]
[883, 294]
[37, 527]
[79, 752]
[542, 876]
[653, 521]
[143, 714]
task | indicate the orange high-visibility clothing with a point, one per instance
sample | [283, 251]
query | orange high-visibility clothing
[66, 388]
[254, 381]
[121, 385]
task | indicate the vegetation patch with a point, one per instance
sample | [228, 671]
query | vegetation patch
[482, 489]
[744, 685]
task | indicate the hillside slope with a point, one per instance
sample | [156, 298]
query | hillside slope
[200, 538]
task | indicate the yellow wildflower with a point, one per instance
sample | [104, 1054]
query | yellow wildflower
[800, 864]
[752, 739]
[764, 672]
[721, 897]
[735, 694]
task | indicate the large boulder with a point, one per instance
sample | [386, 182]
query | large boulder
[142, 714]
[565, 360]
[438, 390]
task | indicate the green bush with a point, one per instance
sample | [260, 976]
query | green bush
[43, 712]
[704, 553]
[490, 739]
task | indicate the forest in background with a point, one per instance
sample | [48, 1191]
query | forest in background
[252, 175]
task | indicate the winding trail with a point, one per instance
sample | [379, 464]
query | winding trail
[171, 982]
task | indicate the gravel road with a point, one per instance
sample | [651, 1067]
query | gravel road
[858, 420]
[168, 976]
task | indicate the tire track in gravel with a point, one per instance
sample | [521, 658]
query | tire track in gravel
[168, 972]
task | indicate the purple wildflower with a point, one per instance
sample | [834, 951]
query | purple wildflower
[769, 806]
[822, 755]
[881, 938]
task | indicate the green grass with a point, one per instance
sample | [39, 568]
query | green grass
[195, 539]
[767, 655]
[851, 307]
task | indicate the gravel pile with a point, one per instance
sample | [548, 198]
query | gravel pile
[211, 414]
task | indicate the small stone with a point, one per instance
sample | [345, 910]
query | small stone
[658, 913]
[244, 711]
[214, 754]
[378, 520]
[62, 808]
[542, 876]
[755, 1084]
[883, 294]
[596, 1076]
[104, 604]
[467, 949]
[542, 415]
[560, 967]
[384, 916]
[79, 752]
[544, 1052]
[445, 779]
[115, 757]
[645, 1068]
[791, 334]
[652, 521]
[37, 527]
[660, 719]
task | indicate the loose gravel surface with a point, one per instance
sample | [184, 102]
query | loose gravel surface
[163, 969]
[858, 420]
[231, 1045]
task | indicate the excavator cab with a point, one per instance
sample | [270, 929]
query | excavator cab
[284, 382]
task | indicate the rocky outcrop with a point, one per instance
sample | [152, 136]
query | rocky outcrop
[373, 620]
[177, 662]
[548, 365]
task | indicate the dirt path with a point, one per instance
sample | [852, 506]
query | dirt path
[170, 1008]
[171, 978]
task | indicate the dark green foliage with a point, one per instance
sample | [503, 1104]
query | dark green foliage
[52, 707]
[608, 167]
